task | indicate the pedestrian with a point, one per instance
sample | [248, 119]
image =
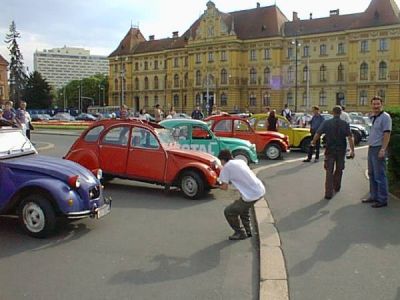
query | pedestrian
[24, 119]
[197, 114]
[336, 131]
[123, 112]
[344, 115]
[171, 113]
[315, 123]
[215, 110]
[143, 115]
[271, 123]
[267, 110]
[378, 141]
[158, 113]
[8, 112]
[287, 113]
[251, 189]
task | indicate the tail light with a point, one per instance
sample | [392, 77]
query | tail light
[74, 182]
[98, 173]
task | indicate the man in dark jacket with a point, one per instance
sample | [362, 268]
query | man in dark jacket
[197, 114]
[336, 131]
[315, 122]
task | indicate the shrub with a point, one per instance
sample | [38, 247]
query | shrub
[394, 152]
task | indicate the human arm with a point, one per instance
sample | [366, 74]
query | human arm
[317, 136]
[351, 144]
[385, 144]
[224, 186]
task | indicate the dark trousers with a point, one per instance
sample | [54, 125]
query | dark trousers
[334, 166]
[311, 149]
[237, 209]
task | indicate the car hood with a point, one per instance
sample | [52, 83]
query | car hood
[301, 129]
[51, 166]
[239, 142]
[192, 154]
[272, 134]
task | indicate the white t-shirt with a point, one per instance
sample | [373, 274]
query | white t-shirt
[238, 173]
[345, 117]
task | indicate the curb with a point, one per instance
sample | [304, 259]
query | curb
[55, 132]
[46, 147]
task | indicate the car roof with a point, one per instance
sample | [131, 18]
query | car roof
[186, 121]
[131, 121]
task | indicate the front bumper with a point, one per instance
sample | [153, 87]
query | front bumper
[95, 212]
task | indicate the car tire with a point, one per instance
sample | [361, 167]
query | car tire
[356, 137]
[305, 144]
[273, 151]
[192, 185]
[37, 216]
[240, 154]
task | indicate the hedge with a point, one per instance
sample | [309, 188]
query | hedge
[394, 151]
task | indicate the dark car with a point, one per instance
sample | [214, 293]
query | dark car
[40, 189]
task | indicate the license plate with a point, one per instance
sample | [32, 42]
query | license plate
[102, 211]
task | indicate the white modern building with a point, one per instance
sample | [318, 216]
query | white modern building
[61, 65]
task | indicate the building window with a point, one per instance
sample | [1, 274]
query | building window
[253, 100]
[186, 79]
[305, 73]
[198, 77]
[267, 99]
[290, 74]
[186, 61]
[289, 98]
[382, 94]
[136, 66]
[210, 56]
[198, 58]
[115, 68]
[116, 85]
[364, 46]
[185, 100]
[176, 62]
[383, 45]
[136, 83]
[198, 99]
[165, 64]
[155, 99]
[224, 99]
[340, 73]
[322, 73]
[340, 48]
[146, 83]
[322, 49]
[253, 76]
[155, 82]
[306, 51]
[305, 99]
[322, 98]
[382, 70]
[267, 75]
[156, 65]
[176, 80]
[223, 55]
[252, 54]
[176, 100]
[267, 53]
[146, 101]
[289, 52]
[363, 97]
[364, 71]
[146, 65]
[224, 76]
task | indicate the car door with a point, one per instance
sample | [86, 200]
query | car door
[223, 128]
[113, 150]
[285, 128]
[202, 139]
[242, 130]
[147, 158]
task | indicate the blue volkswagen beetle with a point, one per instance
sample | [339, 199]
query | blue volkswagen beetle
[40, 189]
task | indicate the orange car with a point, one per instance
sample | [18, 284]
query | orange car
[147, 152]
[270, 143]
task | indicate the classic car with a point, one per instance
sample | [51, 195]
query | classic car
[270, 143]
[195, 135]
[40, 189]
[144, 151]
[298, 137]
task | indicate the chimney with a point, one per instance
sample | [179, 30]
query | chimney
[175, 34]
[258, 4]
[334, 12]
[310, 16]
[295, 16]
[151, 37]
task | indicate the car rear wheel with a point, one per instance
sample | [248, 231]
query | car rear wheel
[356, 137]
[192, 185]
[273, 151]
[241, 155]
[37, 216]
[305, 144]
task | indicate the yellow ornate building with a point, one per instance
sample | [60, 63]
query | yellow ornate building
[3, 80]
[249, 59]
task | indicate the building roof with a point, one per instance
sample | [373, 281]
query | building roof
[3, 61]
[378, 13]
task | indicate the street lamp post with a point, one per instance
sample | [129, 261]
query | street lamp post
[297, 44]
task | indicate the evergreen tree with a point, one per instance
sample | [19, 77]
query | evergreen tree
[38, 91]
[17, 71]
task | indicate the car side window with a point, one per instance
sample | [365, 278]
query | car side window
[200, 133]
[93, 134]
[117, 136]
[283, 124]
[180, 133]
[223, 126]
[241, 126]
[143, 138]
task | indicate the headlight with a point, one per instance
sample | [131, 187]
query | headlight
[74, 182]
[98, 173]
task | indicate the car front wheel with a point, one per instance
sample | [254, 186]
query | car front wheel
[37, 216]
[273, 151]
[242, 156]
[192, 185]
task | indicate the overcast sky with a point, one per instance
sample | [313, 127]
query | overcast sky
[99, 25]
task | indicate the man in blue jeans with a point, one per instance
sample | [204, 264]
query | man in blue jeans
[378, 142]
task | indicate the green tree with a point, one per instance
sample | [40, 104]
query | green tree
[17, 71]
[38, 91]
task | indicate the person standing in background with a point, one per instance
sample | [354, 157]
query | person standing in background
[271, 123]
[287, 113]
[197, 114]
[378, 142]
[315, 123]
[24, 118]
[158, 113]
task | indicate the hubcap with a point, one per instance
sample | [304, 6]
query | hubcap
[33, 217]
[189, 186]
[242, 157]
[272, 152]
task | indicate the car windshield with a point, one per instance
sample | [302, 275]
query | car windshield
[166, 136]
[14, 143]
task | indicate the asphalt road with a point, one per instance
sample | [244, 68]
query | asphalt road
[337, 249]
[152, 246]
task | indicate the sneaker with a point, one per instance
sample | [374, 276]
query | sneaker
[307, 160]
[238, 235]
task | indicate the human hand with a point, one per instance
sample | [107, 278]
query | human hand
[381, 153]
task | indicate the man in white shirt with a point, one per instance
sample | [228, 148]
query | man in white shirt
[251, 189]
